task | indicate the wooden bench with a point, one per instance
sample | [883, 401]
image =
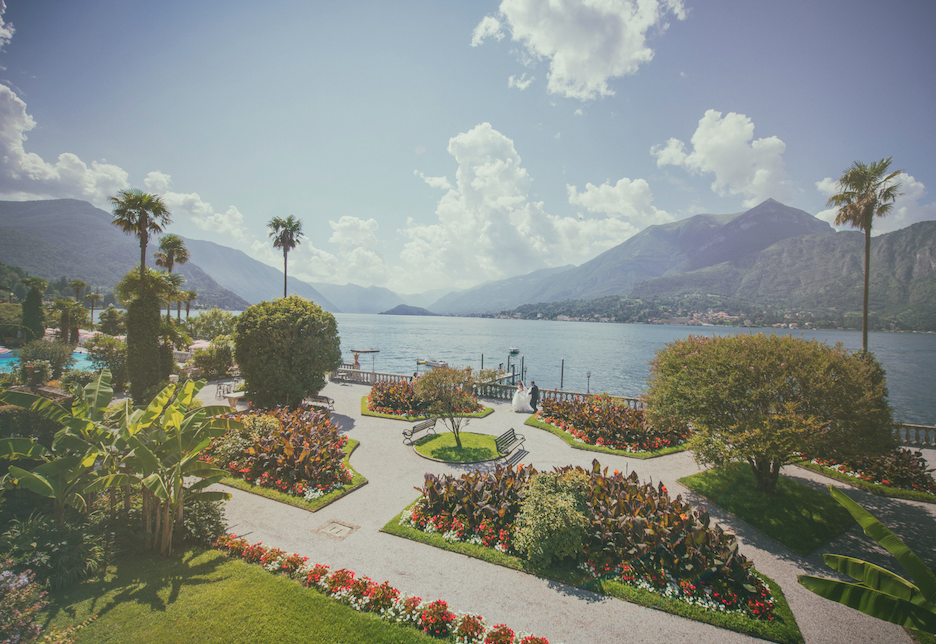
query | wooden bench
[322, 400]
[426, 425]
[508, 442]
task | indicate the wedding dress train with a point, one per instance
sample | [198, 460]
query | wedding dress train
[521, 400]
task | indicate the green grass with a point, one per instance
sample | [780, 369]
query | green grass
[782, 629]
[797, 516]
[442, 447]
[487, 411]
[874, 488]
[315, 504]
[533, 421]
[202, 597]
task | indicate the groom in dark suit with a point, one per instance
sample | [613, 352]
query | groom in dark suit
[534, 396]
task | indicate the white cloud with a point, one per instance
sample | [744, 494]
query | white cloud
[520, 83]
[907, 209]
[6, 29]
[488, 228]
[578, 112]
[587, 42]
[25, 175]
[742, 165]
[630, 200]
[435, 182]
[489, 27]
[200, 212]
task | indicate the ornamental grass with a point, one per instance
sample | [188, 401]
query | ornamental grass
[603, 421]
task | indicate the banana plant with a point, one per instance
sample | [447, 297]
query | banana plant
[879, 592]
[166, 439]
[67, 471]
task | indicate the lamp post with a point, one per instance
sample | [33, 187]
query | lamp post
[588, 373]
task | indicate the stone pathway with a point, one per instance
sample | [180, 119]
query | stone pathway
[346, 534]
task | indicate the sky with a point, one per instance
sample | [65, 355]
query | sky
[427, 144]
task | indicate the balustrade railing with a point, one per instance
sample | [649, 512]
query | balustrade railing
[917, 435]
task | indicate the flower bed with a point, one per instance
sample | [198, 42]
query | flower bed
[635, 534]
[400, 399]
[396, 399]
[902, 469]
[366, 595]
[601, 421]
[297, 452]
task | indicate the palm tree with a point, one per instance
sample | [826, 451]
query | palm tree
[172, 251]
[93, 297]
[155, 283]
[189, 296]
[866, 193]
[77, 285]
[140, 214]
[285, 234]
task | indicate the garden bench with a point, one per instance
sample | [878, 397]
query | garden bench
[322, 400]
[508, 442]
[426, 425]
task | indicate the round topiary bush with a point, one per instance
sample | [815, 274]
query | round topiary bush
[552, 522]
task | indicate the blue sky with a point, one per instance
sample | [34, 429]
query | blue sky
[433, 144]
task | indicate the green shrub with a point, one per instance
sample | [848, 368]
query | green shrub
[18, 422]
[107, 352]
[284, 349]
[144, 366]
[901, 468]
[59, 554]
[216, 360]
[202, 522]
[35, 373]
[552, 523]
[57, 354]
[73, 377]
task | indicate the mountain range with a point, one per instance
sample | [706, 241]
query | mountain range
[771, 253]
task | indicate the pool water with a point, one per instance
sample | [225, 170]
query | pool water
[9, 362]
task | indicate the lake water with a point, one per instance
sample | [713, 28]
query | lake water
[615, 354]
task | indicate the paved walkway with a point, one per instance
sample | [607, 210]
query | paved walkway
[524, 602]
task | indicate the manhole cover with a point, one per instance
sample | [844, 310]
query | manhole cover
[338, 530]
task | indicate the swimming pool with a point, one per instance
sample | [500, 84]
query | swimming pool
[9, 361]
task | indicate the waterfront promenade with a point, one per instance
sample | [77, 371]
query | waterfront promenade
[550, 609]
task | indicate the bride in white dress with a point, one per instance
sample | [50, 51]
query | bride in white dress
[521, 400]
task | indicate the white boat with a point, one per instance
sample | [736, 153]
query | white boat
[514, 350]
[433, 363]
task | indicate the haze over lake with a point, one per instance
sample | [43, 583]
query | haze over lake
[615, 354]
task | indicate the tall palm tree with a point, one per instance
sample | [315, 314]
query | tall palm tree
[77, 285]
[189, 296]
[285, 234]
[92, 298]
[866, 192]
[140, 214]
[172, 251]
[158, 284]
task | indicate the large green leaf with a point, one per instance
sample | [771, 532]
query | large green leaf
[875, 577]
[147, 459]
[15, 448]
[921, 575]
[155, 409]
[208, 480]
[111, 481]
[34, 482]
[98, 393]
[155, 484]
[873, 603]
[42, 406]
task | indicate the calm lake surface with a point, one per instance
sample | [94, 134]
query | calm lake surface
[615, 354]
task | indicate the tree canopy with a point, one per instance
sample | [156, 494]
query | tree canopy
[759, 398]
[284, 349]
[140, 214]
[450, 396]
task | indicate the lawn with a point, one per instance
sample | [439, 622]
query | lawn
[487, 411]
[299, 502]
[533, 421]
[203, 597]
[797, 516]
[782, 629]
[442, 447]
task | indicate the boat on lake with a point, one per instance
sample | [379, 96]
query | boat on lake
[514, 350]
[433, 363]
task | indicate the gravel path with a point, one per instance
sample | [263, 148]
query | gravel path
[524, 602]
